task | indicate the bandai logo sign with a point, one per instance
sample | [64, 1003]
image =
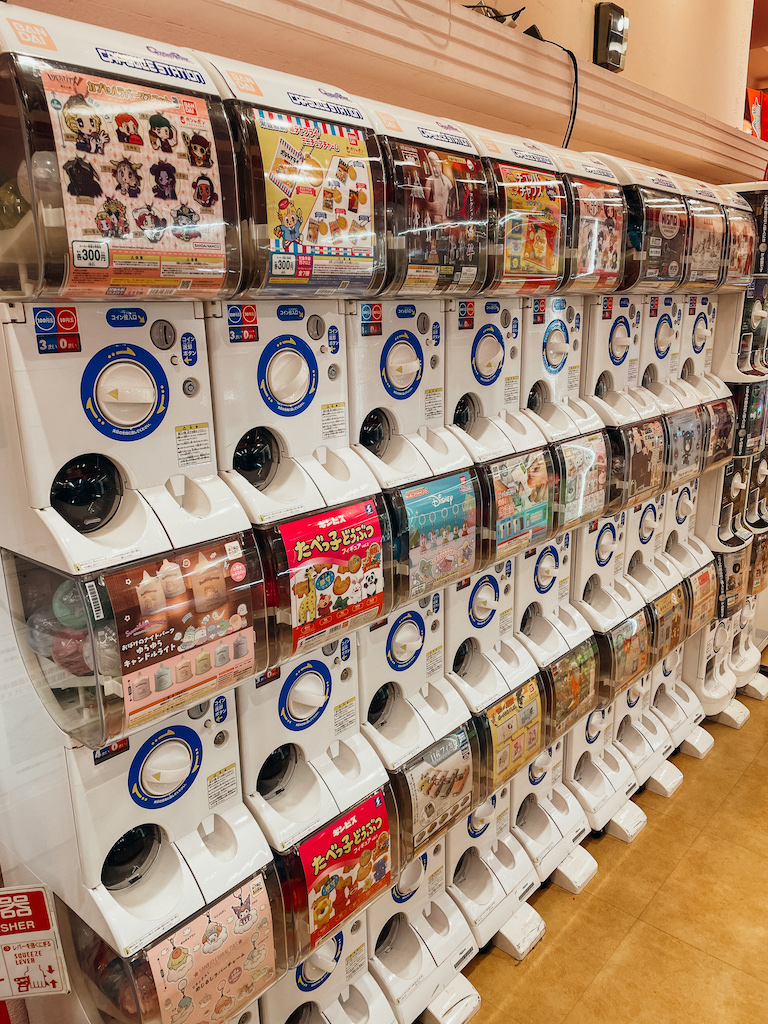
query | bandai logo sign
[32, 35]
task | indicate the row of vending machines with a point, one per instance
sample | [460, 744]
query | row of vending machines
[384, 500]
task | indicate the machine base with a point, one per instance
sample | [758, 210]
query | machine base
[697, 743]
[734, 716]
[665, 780]
[756, 688]
[456, 1004]
[576, 871]
[521, 933]
[628, 823]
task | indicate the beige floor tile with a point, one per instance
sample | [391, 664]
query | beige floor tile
[705, 786]
[715, 900]
[630, 875]
[490, 1014]
[653, 978]
[582, 933]
[743, 817]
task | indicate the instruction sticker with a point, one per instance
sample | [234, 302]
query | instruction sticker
[141, 187]
[31, 958]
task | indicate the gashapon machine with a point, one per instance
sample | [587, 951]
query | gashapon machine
[311, 193]
[599, 588]
[745, 654]
[437, 247]
[546, 818]
[597, 224]
[549, 625]
[119, 191]
[594, 770]
[243, 934]
[332, 985]
[653, 274]
[527, 265]
[328, 574]
[485, 335]
[706, 264]
[417, 936]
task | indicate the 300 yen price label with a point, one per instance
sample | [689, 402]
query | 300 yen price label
[284, 265]
[90, 254]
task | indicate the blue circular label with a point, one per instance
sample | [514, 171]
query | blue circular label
[665, 318]
[401, 337]
[631, 703]
[555, 325]
[416, 619]
[487, 331]
[313, 667]
[534, 779]
[620, 321]
[606, 528]
[549, 549]
[485, 581]
[271, 349]
[475, 833]
[402, 897]
[588, 735]
[701, 318]
[110, 356]
[172, 732]
[649, 510]
[303, 983]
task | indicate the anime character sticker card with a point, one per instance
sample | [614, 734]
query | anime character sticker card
[141, 187]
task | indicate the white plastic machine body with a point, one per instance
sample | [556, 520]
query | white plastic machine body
[490, 876]
[659, 360]
[333, 982]
[406, 703]
[646, 565]
[306, 760]
[418, 942]
[680, 544]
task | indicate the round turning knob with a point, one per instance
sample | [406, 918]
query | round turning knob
[402, 365]
[647, 526]
[485, 602]
[684, 506]
[762, 471]
[489, 356]
[306, 695]
[619, 340]
[721, 635]
[737, 484]
[758, 314]
[125, 394]
[405, 642]
[595, 725]
[665, 335]
[166, 768]
[556, 347]
[701, 333]
[606, 545]
[546, 568]
[321, 961]
[288, 376]
[481, 815]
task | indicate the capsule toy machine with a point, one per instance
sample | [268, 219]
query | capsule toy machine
[218, 962]
[546, 818]
[706, 264]
[722, 505]
[739, 354]
[594, 770]
[310, 185]
[332, 984]
[484, 400]
[111, 443]
[746, 655]
[418, 942]
[436, 238]
[599, 588]
[597, 223]
[653, 273]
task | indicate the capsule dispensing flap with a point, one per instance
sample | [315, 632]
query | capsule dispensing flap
[223, 958]
[720, 432]
[625, 654]
[638, 462]
[518, 495]
[436, 525]
[327, 574]
[707, 236]
[510, 733]
[311, 184]
[701, 595]
[571, 686]
[111, 654]
[597, 222]
[583, 469]
[438, 196]
[130, 183]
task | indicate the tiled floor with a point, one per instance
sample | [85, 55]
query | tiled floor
[674, 928]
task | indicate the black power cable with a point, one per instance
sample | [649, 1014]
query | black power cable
[574, 92]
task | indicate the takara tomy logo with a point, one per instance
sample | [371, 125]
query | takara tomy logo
[330, 108]
[154, 67]
[452, 140]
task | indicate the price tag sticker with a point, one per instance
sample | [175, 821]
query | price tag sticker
[90, 254]
[31, 958]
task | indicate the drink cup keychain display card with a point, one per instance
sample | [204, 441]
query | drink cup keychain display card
[490, 876]
[326, 574]
[653, 272]
[528, 260]
[332, 984]
[171, 977]
[306, 760]
[112, 654]
[311, 195]
[116, 200]
[597, 222]
[437, 244]
[485, 336]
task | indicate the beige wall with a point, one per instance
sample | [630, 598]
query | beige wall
[693, 50]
